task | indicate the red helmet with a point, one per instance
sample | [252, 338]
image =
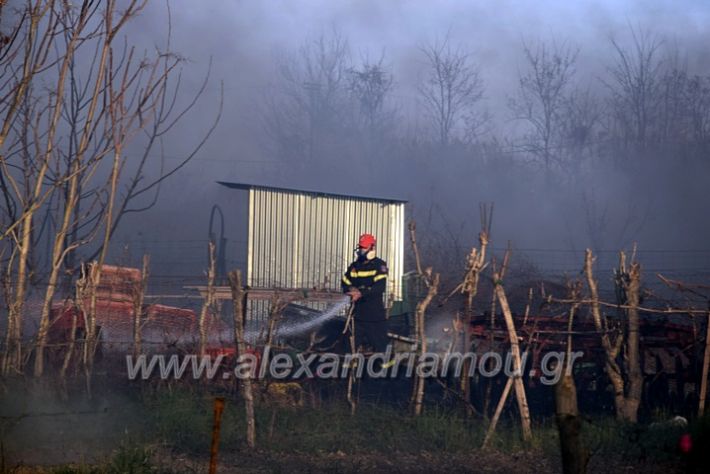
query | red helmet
[367, 241]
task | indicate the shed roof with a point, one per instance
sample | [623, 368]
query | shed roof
[304, 191]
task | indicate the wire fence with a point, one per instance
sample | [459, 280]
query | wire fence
[177, 266]
[188, 258]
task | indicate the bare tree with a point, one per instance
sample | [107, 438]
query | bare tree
[475, 264]
[684, 107]
[627, 395]
[540, 100]
[612, 221]
[245, 383]
[697, 98]
[451, 92]
[431, 280]
[628, 282]
[635, 79]
[208, 305]
[305, 107]
[37, 26]
[370, 85]
[673, 114]
[65, 144]
[581, 115]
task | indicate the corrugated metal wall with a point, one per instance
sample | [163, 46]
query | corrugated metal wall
[302, 240]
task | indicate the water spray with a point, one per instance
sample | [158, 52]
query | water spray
[294, 328]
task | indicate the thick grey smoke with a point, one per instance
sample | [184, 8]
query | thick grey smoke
[660, 204]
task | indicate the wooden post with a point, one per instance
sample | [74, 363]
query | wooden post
[706, 363]
[527, 306]
[499, 410]
[216, 424]
[238, 298]
[517, 363]
[350, 327]
[575, 457]
[492, 327]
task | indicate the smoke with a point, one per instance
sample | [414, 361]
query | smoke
[656, 203]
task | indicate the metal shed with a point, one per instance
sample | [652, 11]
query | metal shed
[289, 238]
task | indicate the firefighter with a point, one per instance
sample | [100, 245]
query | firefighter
[365, 281]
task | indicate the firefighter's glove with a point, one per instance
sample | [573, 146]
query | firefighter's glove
[354, 294]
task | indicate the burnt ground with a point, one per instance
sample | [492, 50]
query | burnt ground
[491, 461]
[264, 461]
[154, 429]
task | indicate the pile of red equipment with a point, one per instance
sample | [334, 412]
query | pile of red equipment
[162, 326]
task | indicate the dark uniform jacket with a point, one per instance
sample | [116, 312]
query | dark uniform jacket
[370, 277]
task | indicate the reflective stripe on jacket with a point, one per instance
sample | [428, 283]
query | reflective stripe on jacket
[368, 276]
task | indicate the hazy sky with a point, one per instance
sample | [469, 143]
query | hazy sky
[244, 37]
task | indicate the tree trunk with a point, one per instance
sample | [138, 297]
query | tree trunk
[59, 252]
[574, 454]
[12, 357]
[611, 349]
[499, 410]
[138, 298]
[90, 330]
[71, 344]
[420, 314]
[475, 263]
[633, 398]
[77, 311]
[209, 301]
[239, 300]
[706, 365]
[432, 282]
